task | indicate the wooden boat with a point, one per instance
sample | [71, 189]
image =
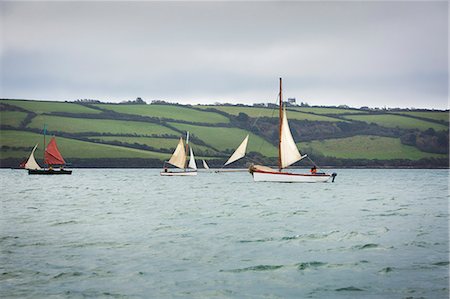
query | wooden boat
[179, 160]
[52, 158]
[238, 154]
[288, 154]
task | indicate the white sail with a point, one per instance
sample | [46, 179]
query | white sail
[178, 158]
[31, 163]
[288, 149]
[205, 165]
[239, 152]
[192, 163]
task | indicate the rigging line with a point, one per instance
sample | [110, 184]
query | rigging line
[254, 125]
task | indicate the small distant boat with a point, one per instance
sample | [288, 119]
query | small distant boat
[238, 154]
[179, 160]
[288, 154]
[52, 158]
[205, 165]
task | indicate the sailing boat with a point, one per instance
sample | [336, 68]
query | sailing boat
[52, 157]
[288, 154]
[238, 154]
[178, 160]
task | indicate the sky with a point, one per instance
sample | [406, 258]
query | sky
[355, 53]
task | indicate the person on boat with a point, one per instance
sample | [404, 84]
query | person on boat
[165, 169]
[314, 169]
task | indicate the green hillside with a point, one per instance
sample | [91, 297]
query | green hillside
[393, 121]
[268, 112]
[365, 147]
[40, 107]
[168, 112]
[80, 125]
[94, 131]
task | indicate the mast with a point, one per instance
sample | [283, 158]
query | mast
[280, 125]
[187, 141]
[43, 152]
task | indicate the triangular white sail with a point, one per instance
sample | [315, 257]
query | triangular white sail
[31, 163]
[192, 163]
[205, 165]
[239, 152]
[178, 158]
[288, 149]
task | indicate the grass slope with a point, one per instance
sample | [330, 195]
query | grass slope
[324, 110]
[438, 115]
[69, 148]
[80, 125]
[365, 147]
[40, 107]
[168, 111]
[157, 143]
[12, 118]
[393, 121]
[229, 138]
[269, 112]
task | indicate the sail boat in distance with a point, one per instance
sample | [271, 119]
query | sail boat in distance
[238, 154]
[179, 160]
[52, 157]
[288, 154]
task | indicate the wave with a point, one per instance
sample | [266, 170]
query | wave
[255, 268]
[309, 265]
[350, 288]
[67, 274]
[366, 246]
[386, 270]
[446, 263]
[64, 222]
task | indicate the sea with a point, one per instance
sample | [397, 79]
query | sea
[130, 233]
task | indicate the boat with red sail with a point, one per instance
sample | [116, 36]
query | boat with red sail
[54, 160]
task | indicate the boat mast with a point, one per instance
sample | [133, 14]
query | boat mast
[280, 121]
[187, 141]
[43, 152]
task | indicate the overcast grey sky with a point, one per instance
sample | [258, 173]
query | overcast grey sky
[375, 54]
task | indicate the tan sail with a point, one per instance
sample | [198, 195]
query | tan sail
[192, 163]
[31, 163]
[205, 165]
[178, 158]
[288, 149]
[239, 152]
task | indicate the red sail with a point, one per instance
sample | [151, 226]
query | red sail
[52, 154]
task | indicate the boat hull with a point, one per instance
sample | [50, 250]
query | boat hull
[49, 171]
[178, 173]
[286, 177]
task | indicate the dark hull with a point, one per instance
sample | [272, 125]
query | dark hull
[49, 171]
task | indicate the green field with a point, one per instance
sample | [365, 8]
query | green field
[438, 115]
[365, 147]
[80, 125]
[169, 112]
[69, 148]
[157, 143]
[229, 138]
[12, 118]
[269, 112]
[324, 110]
[40, 107]
[393, 121]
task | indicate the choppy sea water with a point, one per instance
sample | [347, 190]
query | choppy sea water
[129, 233]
